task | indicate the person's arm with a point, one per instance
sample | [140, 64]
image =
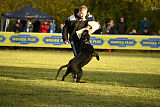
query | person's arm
[46, 27]
[126, 27]
[65, 32]
[40, 30]
[14, 28]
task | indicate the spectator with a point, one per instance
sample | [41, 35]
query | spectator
[106, 27]
[134, 32]
[52, 27]
[18, 27]
[36, 26]
[144, 25]
[60, 30]
[24, 22]
[44, 27]
[112, 27]
[122, 26]
[29, 26]
[145, 32]
[158, 34]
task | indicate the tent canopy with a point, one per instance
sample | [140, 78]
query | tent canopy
[25, 13]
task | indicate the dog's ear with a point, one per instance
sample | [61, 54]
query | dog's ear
[85, 36]
[85, 32]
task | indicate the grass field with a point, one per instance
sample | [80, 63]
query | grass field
[117, 80]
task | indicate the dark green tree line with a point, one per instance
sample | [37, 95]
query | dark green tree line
[132, 10]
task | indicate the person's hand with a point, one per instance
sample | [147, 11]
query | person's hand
[17, 25]
[66, 42]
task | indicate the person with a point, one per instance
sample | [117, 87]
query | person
[74, 23]
[158, 34]
[60, 30]
[134, 32]
[36, 26]
[121, 26]
[145, 32]
[29, 26]
[106, 27]
[144, 25]
[44, 27]
[52, 27]
[24, 22]
[112, 27]
[18, 27]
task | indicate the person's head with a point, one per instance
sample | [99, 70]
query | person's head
[61, 25]
[145, 31]
[107, 21]
[18, 21]
[83, 11]
[122, 19]
[45, 22]
[159, 31]
[28, 21]
[134, 31]
[145, 18]
[111, 21]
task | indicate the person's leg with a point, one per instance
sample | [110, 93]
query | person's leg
[75, 47]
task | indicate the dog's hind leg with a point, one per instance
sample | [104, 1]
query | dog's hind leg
[67, 72]
[80, 73]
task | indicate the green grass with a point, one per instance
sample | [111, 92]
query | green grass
[117, 80]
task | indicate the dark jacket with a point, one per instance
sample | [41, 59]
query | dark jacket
[73, 24]
[121, 28]
[112, 30]
[18, 27]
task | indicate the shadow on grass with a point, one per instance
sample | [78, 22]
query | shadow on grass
[139, 80]
[27, 73]
[18, 93]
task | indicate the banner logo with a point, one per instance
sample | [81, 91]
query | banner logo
[96, 41]
[55, 40]
[24, 39]
[122, 42]
[151, 42]
[2, 38]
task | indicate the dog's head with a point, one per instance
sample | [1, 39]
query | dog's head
[85, 37]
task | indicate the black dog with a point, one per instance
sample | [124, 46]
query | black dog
[84, 56]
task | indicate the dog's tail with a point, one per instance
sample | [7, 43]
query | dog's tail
[64, 66]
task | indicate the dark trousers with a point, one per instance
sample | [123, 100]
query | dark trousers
[75, 47]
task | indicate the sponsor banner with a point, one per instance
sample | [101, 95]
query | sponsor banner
[151, 42]
[122, 42]
[24, 39]
[136, 42]
[2, 38]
